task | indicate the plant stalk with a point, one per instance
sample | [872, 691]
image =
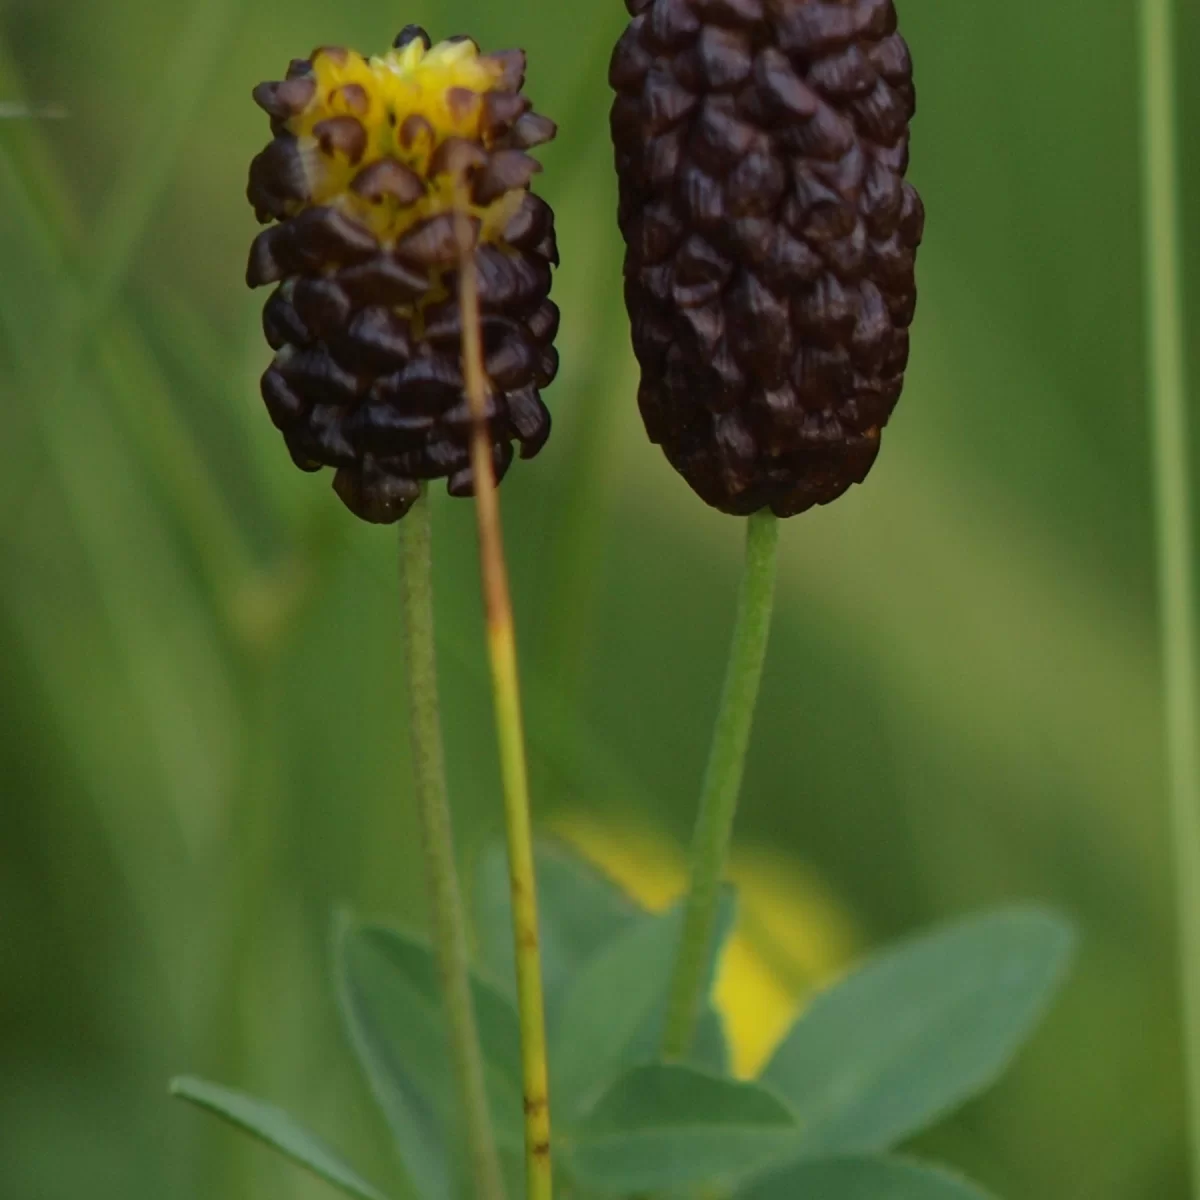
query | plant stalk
[1163, 256]
[722, 782]
[506, 696]
[437, 846]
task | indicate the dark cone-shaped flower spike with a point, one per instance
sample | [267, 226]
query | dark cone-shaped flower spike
[371, 160]
[761, 147]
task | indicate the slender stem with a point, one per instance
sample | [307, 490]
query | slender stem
[722, 782]
[437, 845]
[1163, 255]
[506, 697]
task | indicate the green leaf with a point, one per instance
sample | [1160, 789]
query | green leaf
[392, 1006]
[709, 1051]
[278, 1129]
[613, 1008]
[579, 910]
[862, 1179]
[582, 912]
[665, 1126]
[918, 1029]
[606, 1008]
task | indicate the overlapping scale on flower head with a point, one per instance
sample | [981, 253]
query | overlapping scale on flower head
[761, 148]
[380, 173]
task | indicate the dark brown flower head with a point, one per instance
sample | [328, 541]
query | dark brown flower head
[373, 163]
[761, 147]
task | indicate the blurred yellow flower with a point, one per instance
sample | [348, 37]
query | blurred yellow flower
[791, 936]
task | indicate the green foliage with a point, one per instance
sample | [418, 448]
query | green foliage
[667, 1127]
[391, 1004]
[711, 1049]
[862, 1179]
[918, 1030]
[579, 911]
[607, 1004]
[278, 1129]
[605, 960]
[911, 1034]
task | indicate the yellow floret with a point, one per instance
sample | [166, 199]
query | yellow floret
[444, 86]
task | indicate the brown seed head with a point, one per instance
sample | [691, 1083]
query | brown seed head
[761, 148]
[372, 166]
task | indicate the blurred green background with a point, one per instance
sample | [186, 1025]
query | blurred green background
[203, 750]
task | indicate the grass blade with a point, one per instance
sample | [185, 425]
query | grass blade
[1163, 255]
[277, 1129]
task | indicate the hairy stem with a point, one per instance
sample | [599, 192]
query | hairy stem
[437, 846]
[722, 782]
[1163, 255]
[506, 696]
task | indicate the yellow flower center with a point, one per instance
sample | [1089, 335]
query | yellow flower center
[397, 108]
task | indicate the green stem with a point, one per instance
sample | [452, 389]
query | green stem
[722, 782]
[510, 733]
[1177, 601]
[437, 845]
